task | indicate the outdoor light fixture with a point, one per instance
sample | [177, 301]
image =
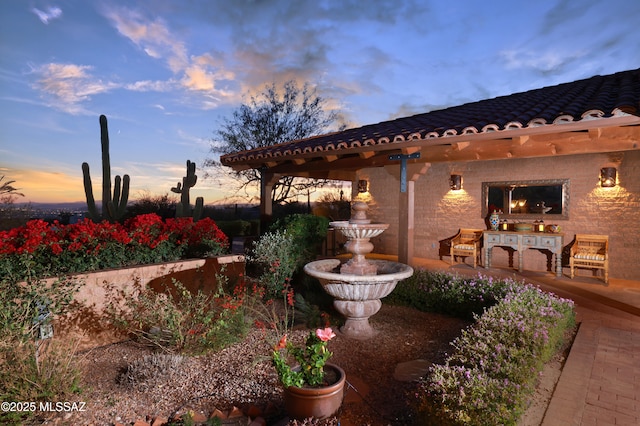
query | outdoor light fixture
[455, 182]
[363, 186]
[608, 177]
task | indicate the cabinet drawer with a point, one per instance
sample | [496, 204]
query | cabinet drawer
[511, 239]
[492, 238]
[529, 240]
[550, 241]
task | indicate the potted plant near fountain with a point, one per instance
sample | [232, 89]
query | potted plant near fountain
[312, 386]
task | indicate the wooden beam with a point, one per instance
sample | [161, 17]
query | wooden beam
[406, 224]
[524, 134]
[595, 133]
[410, 150]
[349, 163]
[459, 146]
[414, 171]
[341, 175]
[267, 180]
[367, 154]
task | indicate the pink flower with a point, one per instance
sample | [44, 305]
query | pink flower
[325, 334]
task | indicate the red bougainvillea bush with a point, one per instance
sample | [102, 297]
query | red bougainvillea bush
[40, 249]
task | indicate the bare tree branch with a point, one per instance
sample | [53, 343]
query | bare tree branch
[271, 118]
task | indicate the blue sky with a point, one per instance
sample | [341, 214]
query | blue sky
[166, 72]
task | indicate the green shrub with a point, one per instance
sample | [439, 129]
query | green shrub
[307, 231]
[234, 228]
[275, 258]
[177, 320]
[447, 294]
[279, 255]
[33, 366]
[40, 371]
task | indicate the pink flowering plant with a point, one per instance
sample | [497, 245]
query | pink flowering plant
[276, 256]
[488, 378]
[310, 359]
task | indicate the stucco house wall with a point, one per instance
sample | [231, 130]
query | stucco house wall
[440, 212]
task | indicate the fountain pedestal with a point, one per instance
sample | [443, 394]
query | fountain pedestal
[359, 284]
[357, 314]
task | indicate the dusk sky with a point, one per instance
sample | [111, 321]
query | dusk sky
[166, 72]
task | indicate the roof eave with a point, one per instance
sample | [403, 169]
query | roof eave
[517, 135]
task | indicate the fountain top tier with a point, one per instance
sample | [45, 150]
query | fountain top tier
[359, 214]
[359, 226]
[358, 231]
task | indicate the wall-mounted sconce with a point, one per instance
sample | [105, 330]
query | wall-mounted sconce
[608, 177]
[455, 182]
[363, 186]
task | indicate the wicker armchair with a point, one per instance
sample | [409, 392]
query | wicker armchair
[467, 244]
[590, 251]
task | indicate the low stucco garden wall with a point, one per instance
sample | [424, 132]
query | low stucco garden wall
[87, 323]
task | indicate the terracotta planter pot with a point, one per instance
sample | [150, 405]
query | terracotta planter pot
[318, 402]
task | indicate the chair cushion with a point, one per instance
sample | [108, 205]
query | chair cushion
[589, 256]
[464, 246]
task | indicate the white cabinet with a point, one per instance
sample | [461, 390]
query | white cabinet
[520, 241]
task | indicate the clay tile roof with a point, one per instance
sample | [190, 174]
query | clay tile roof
[595, 97]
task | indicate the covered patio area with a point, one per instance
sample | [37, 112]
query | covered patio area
[557, 136]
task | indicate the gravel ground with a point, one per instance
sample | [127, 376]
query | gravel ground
[240, 376]
[125, 382]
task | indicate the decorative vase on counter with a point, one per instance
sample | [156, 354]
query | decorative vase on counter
[319, 402]
[494, 220]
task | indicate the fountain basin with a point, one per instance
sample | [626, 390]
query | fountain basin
[357, 297]
[345, 286]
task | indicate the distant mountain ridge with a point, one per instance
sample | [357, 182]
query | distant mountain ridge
[82, 205]
[70, 206]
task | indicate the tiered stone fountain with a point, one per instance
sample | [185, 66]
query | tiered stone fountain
[359, 284]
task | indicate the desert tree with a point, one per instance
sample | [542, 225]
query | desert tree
[163, 205]
[276, 115]
[7, 188]
[10, 215]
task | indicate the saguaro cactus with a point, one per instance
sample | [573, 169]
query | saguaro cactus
[183, 209]
[113, 207]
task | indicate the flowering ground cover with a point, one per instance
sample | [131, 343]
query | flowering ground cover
[493, 368]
